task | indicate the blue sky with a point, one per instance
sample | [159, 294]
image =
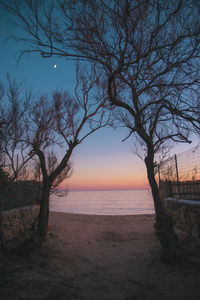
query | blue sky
[102, 158]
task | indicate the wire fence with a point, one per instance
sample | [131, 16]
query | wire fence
[181, 175]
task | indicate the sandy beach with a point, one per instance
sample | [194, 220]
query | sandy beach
[102, 258]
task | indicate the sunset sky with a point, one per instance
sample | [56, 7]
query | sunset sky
[102, 161]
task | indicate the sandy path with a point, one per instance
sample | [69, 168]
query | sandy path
[101, 258]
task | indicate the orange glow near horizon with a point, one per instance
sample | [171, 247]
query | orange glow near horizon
[96, 183]
[111, 173]
[102, 188]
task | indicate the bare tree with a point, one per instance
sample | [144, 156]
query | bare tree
[62, 123]
[14, 156]
[148, 52]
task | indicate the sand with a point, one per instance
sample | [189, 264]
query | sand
[101, 258]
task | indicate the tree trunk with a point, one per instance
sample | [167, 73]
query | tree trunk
[1, 229]
[163, 226]
[3, 197]
[44, 210]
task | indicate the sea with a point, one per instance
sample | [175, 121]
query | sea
[123, 202]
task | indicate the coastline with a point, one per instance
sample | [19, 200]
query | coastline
[100, 257]
[124, 202]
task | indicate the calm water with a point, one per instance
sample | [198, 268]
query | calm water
[132, 202]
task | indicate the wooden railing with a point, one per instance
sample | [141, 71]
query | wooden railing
[180, 189]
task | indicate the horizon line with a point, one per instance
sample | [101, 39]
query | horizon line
[103, 189]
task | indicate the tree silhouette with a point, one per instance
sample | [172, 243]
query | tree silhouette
[14, 157]
[62, 122]
[148, 53]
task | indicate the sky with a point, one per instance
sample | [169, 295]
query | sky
[102, 161]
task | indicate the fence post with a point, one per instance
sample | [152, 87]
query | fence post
[177, 176]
